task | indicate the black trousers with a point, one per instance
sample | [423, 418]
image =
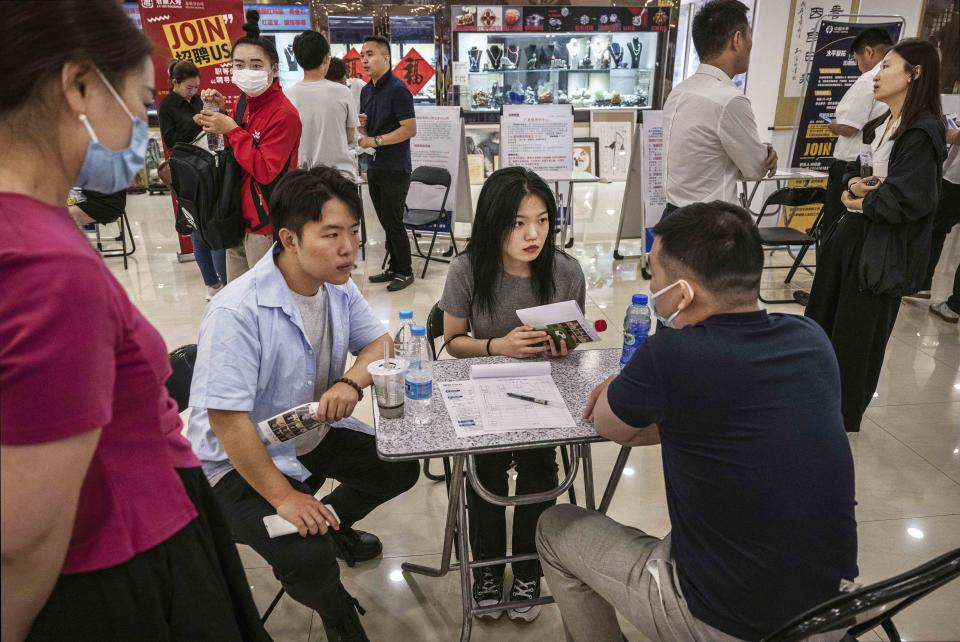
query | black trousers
[954, 301]
[536, 472]
[948, 215]
[388, 191]
[307, 566]
[833, 207]
[858, 322]
[190, 587]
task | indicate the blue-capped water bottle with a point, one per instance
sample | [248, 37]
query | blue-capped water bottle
[636, 327]
[419, 378]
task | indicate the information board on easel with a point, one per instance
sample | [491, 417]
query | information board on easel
[538, 137]
[439, 143]
[644, 197]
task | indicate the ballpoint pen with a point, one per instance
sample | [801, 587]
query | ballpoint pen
[542, 402]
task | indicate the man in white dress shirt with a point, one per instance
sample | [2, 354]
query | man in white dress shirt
[857, 108]
[708, 124]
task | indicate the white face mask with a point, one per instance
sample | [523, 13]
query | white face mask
[668, 322]
[252, 82]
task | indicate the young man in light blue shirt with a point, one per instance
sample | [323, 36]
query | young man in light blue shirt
[276, 338]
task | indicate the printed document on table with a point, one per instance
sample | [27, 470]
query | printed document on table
[502, 413]
[462, 405]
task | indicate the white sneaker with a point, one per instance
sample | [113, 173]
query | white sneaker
[524, 591]
[943, 311]
[212, 290]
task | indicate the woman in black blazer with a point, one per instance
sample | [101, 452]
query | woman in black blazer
[879, 250]
[177, 125]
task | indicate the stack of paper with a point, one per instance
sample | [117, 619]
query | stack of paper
[482, 406]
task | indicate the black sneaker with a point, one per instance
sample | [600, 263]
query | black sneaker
[521, 591]
[359, 545]
[348, 628]
[488, 590]
[383, 277]
[399, 282]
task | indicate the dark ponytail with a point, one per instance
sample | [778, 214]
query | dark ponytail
[41, 37]
[252, 28]
[180, 70]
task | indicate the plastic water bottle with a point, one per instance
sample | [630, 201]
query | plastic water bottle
[214, 141]
[419, 378]
[403, 339]
[636, 327]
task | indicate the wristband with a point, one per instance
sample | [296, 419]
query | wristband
[353, 384]
[489, 341]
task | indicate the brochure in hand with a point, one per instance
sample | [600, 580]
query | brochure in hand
[564, 322]
[291, 424]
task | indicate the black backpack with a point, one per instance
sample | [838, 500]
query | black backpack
[208, 189]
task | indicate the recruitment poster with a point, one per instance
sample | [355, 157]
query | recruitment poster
[832, 72]
[201, 31]
[439, 143]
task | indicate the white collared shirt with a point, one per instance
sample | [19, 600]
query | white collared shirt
[710, 139]
[857, 108]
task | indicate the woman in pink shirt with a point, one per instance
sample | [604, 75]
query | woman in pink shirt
[109, 530]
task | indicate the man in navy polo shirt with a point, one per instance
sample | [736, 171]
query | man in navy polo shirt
[758, 470]
[387, 123]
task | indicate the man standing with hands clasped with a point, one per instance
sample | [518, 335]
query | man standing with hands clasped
[708, 124]
[387, 123]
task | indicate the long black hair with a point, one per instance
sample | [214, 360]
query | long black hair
[252, 30]
[923, 92]
[41, 37]
[496, 216]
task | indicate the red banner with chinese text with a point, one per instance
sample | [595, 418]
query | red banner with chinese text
[201, 31]
[354, 68]
[414, 70]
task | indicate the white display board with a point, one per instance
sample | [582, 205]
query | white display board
[439, 143]
[805, 18]
[644, 196]
[653, 166]
[538, 137]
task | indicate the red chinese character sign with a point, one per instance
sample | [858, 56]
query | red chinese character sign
[201, 31]
[414, 70]
[354, 68]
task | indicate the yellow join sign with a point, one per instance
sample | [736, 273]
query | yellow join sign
[202, 41]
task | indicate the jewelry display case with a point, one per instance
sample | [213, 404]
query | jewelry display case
[588, 57]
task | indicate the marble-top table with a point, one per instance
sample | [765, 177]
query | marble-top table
[576, 376]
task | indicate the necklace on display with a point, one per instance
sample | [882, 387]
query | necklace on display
[495, 54]
[635, 48]
[616, 52]
[474, 54]
[513, 55]
[598, 48]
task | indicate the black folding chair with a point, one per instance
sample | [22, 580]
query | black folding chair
[863, 610]
[420, 219]
[783, 236]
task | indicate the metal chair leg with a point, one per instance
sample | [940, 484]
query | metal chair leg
[565, 458]
[426, 262]
[428, 474]
[273, 605]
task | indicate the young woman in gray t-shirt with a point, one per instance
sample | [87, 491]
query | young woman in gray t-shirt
[510, 264]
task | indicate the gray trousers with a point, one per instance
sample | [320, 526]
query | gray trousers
[596, 567]
[245, 256]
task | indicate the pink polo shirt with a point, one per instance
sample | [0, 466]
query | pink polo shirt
[76, 355]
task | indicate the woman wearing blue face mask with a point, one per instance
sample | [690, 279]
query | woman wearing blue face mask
[109, 529]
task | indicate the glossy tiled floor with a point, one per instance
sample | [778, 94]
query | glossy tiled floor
[907, 454]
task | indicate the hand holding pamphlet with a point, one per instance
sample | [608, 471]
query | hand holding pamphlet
[564, 322]
[292, 423]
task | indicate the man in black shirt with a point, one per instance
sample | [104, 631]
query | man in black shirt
[387, 123]
[758, 470]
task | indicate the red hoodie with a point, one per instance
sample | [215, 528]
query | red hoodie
[268, 138]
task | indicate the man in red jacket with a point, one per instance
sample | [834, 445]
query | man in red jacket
[265, 145]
